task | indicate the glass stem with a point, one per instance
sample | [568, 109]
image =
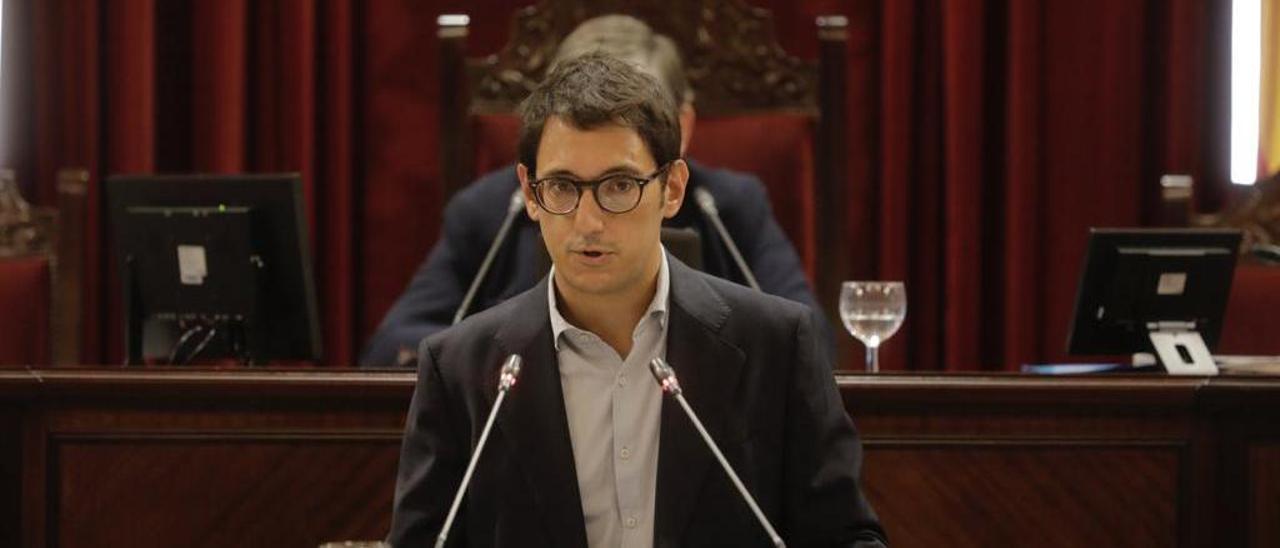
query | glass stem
[873, 358]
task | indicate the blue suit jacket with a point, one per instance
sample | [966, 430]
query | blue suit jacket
[472, 219]
[751, 366]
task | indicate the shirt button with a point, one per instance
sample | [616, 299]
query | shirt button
[631, 522]
[625, 453]
[622, 380]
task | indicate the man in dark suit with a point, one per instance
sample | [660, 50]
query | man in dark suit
[587, 452]
[473, 217]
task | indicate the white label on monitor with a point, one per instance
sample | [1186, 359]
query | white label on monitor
[192, 268]
[1172, 283]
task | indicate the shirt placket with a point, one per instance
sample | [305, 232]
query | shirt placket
[627, 407]
[624, 436]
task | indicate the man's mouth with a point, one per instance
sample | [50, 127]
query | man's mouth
[592, 255]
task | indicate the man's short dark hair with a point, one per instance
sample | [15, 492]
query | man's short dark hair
[595, 90]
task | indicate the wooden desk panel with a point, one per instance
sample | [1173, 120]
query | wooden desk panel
[1025, 494]
[1264, 468]
[1027, 461]
[205, 458]
[149, 457]
[10, 472]
[229, 489]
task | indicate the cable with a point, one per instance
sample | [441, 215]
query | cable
[177, 346]
[200, 347]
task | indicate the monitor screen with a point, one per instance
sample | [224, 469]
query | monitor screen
[1136, 280]
[214, 266]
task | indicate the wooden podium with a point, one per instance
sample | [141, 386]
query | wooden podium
[252, 457]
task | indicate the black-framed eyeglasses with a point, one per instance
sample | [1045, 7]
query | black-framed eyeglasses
[615, 193]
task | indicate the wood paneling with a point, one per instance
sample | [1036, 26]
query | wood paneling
[199, 457]
[271, 489]
[1053, 493]
[10, 473]
[188, 457]
[1264, 469]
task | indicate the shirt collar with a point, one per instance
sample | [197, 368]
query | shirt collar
[657, 307]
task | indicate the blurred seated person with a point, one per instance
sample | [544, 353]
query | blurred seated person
[475, 214]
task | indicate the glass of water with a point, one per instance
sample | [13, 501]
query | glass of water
[873, 312]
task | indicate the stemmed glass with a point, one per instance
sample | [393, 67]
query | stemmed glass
[873, 312]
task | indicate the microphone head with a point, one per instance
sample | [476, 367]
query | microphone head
[510, 371]
[517, 200]
[705, 200]
[665, 376]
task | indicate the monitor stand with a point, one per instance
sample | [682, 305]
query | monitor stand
[132, 314]
[1181, 349]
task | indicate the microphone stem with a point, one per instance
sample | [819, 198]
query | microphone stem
[471, 467]
[714, 217]
[486, 264]
[733, 476]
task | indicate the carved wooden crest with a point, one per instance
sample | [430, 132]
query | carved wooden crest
[24, 230]
[731, 55]
[1258, 216]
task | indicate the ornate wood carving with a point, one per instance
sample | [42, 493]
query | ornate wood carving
[1258, 215]
[24, 230]
[732, 57]
[736, 64]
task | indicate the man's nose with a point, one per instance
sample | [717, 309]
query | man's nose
[589, 218]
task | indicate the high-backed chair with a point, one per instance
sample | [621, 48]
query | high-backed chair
[760, 110]
[40, 260]
[1249, 325]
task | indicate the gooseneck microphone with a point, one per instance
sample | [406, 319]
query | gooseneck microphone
[666, 378]
[708, 206]
[510, 370]
[514, 207]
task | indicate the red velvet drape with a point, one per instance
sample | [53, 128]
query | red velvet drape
[1007, 129]
[990, 133]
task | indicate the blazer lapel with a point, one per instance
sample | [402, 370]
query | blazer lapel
[535, 421]
[707, 367]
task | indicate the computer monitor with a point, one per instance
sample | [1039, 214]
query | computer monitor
[1154, 289]
[214, 266]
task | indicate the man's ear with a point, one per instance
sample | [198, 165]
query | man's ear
[530, 205]
[673, 191]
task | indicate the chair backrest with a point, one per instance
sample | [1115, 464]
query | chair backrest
[24, 310]
[40, 265]
[760, 110]
[1247, 321]
[26, 247]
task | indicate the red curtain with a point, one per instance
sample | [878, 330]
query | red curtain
[991, 134]
[1007, 129]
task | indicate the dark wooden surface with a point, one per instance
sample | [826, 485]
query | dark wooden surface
[149, 457]
[1264, 504]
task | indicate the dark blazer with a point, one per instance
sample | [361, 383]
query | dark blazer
[471, 221]
[750, 365]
